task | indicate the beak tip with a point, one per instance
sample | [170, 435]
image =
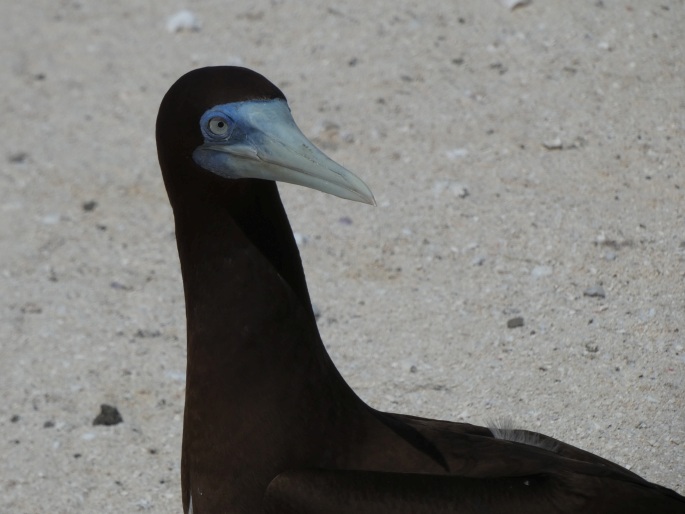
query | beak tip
[365, 196]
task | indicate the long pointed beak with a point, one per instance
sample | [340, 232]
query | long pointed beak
[267, 144]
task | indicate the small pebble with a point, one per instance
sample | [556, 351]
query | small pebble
[89, 206]
[51, 219]
[18, 157]
[146, 333]
[541, 271]
[515, 322]
[183, 20]
[455, 153]
[595, 291]
[300, 239]
[109, 415]
[513, 4]
[456, 188]
[553, 144]
[119, 286]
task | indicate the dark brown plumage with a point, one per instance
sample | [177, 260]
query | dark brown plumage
[270, 425]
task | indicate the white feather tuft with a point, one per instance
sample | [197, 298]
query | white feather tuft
[505, 429]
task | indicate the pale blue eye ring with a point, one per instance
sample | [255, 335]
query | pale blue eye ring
[216, 125]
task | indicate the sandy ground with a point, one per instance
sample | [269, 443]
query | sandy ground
[519, 159]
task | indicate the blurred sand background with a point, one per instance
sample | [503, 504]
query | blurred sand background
[521, 159]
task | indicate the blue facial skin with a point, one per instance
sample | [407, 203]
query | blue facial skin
[229, 114]
[236, 130]
[259, 139]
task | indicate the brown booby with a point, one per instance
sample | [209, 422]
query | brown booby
[270, 425]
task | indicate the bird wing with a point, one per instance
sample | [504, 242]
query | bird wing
[318, 491]
[471, 450]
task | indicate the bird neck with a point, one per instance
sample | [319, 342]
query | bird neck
[249, 316]
[226, 236]
[254, 351]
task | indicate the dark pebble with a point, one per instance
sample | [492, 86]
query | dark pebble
[145, 333]
[119, 286]
[89, 206]
[591, 347]
[108, 416]
[515, 322]
[18, 157]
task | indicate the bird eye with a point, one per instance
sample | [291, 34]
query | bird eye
[218, 126]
